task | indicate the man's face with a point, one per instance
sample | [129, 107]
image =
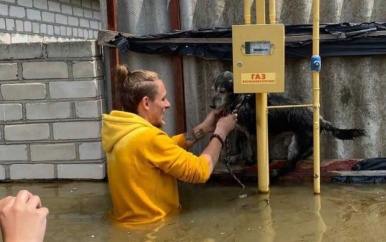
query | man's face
[158, 106]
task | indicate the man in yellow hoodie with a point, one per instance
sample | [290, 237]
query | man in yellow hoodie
[143, 162]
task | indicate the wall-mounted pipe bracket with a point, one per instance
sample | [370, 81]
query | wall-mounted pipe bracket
[316, 63]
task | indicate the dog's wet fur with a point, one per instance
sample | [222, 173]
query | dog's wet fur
[298, 121]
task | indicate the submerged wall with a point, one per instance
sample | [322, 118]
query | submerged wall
[51, 102]
[351, 87]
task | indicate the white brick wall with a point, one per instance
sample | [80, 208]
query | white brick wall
[27, 26]
[50, 20]
[53, 152]
[26, 132]
[41, 4]
[13, 152]
[48, 17]
[74, 89]
[25, 3]
[54, 6]
[10, 24]
[2, 173]
[33, 14]
[3, 9]
[11, 112]
[33, 70]
[51, 104]
[20, 51]
[32, 171]
[55, 110]
[17, 12]
[19, 26]
[61, 19]
[86, 109]
[23, 91]
[87, 69]
[77, 171]
[76, 130]
[2, 24]
[91, 151]
[8, 71]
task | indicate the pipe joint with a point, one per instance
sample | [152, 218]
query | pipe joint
[316, 63]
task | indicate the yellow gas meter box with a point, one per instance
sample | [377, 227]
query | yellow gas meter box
[258, 58]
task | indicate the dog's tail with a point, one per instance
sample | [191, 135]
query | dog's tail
[343, 134]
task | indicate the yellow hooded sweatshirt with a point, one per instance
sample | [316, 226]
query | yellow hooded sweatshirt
[143, 165]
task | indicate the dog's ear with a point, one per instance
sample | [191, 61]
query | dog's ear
[228, 76]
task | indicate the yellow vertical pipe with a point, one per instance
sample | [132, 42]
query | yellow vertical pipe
[316, 93]
[272, 11]
[247, 11]
[262, 149]
[261, 118]
[260, 11]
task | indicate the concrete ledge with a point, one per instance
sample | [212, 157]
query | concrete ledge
[41, 50]
[332, 170]
[21, 51]
[81, 49]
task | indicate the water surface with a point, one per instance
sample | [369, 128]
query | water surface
[214, 212]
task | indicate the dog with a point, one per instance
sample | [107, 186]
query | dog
[297, 121]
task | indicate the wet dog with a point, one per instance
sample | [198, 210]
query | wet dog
[297, 121]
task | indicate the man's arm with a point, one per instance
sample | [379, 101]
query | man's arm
[195, 134]
[201, 130]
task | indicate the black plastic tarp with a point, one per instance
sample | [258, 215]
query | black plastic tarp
[369, 164]
[344, 39]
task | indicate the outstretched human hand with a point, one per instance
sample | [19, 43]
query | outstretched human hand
[22, 218]
[225, 125]
[211, 119]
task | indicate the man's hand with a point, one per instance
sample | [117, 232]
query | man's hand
[201, 130]
[23, 218]
[209, 124]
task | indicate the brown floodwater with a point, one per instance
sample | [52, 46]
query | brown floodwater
[214, 212]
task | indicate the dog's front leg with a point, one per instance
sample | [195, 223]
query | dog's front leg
[293, 153]
[247, 146]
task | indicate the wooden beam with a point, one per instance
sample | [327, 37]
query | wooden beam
[179, 100]
[104, 37]
[112, 25]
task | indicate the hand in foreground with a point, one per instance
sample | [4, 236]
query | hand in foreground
[211, 119]
[225, 125]
[23, 218]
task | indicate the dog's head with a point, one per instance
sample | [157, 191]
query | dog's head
[222, 88]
